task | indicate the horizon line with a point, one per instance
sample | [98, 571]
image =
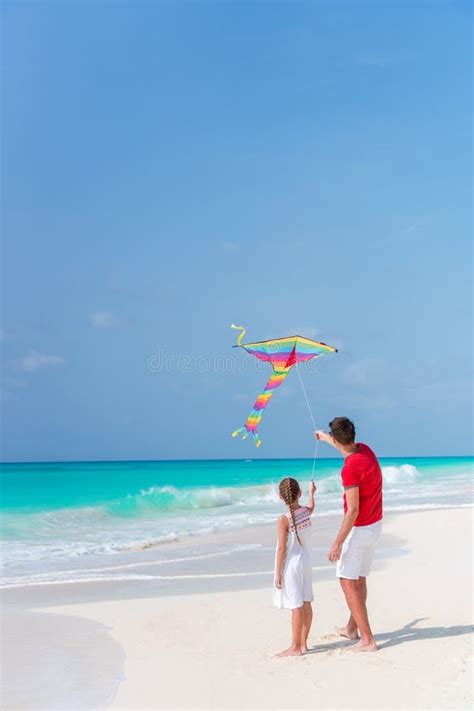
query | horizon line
[225, 459]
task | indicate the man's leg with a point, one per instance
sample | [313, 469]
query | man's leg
[350, 630]
[355, 592]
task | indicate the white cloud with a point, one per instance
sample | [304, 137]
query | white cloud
[240, 397]
[230, 247]
[406, 233]
[306, 331]
[102, 319]
[368, 371]
[15, 382]
[4, 335]
[36, 361]
[374, 60]
[382, 59]
[286, 391]
[373, 401]
[457, 389]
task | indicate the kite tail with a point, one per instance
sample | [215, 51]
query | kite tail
[246, 432]
[253, 420]
[237, 432]
[241, 335]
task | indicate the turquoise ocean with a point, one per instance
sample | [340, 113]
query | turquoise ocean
[65, 516]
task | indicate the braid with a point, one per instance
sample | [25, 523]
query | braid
[289, 489]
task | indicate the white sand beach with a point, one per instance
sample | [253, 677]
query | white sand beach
[216, 650]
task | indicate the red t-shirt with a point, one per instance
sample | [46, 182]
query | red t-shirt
[362, 469]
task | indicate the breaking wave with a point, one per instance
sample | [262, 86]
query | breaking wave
[169, 498]
[404, 474]
[157, 515]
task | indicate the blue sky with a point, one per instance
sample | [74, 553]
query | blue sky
[170, 168]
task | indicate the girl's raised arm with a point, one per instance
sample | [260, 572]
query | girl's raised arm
[311, 492]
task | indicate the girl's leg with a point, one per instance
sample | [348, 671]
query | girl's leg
[296, 630]
[306, 626]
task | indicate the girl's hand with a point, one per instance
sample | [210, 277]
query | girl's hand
[312, 487]
[278, 583]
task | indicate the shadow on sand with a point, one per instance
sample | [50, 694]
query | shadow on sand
[408, 633]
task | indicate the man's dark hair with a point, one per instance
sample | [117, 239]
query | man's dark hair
[343, 430]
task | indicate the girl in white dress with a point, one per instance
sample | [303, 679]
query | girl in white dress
[293, 588]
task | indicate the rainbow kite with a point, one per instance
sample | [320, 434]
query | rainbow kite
[283, 354]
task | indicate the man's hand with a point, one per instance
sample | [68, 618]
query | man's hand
[335, 552]
[323, 436]
[278, 583]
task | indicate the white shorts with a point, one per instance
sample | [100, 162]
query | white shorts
[358, 551]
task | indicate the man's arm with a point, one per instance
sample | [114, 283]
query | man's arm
[281, 549]
[352, 499]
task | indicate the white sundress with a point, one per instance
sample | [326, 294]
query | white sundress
[297, 584]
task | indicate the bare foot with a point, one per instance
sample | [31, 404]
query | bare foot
[304, 648]
[290, 652]
[364, 647]
[344, 632]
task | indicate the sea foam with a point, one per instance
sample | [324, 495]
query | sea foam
[154, 505]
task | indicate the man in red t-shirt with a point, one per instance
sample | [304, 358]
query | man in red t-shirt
[354, 546]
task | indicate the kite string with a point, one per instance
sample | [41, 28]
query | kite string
[316, 445]
[306, 397]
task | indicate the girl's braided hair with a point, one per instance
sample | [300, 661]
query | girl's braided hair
[289, 492]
